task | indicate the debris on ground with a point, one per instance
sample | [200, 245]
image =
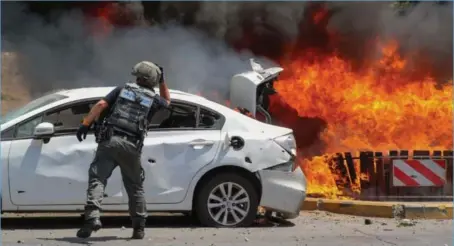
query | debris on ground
[406, 222]
[398, 211]
[367, 221]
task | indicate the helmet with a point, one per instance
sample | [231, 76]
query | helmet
[149, 72]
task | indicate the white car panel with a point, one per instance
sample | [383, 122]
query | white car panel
[172, 158]
[5, 148]
[258, 153]
[283, 191]
[56, 172]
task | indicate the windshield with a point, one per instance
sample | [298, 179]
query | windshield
[35, 104]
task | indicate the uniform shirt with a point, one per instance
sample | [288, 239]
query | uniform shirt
[159, 102]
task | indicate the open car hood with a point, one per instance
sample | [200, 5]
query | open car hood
[243, 86]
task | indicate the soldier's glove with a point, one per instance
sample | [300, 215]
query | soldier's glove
[161, 79]
[82, 132]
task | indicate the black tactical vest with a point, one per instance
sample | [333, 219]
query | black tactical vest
[129, 113]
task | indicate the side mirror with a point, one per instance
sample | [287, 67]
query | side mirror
[44, 131]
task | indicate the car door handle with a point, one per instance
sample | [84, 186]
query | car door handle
[201, 142]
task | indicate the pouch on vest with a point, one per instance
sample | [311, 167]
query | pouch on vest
[130, 111]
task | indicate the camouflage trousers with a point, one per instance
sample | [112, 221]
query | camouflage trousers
[110, 154]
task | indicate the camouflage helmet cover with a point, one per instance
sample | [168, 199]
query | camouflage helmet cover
[149, 71]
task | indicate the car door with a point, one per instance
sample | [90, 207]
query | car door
[55, 173]
[6, 138]
[179, 144]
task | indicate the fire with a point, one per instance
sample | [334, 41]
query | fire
[320, 15]
[109, 16]
[379, 109]
[103, 14]
[334, 108]
[364, 176]
[320, 179]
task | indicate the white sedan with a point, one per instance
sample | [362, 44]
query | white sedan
[199, 156]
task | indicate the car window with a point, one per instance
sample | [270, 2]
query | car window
[68, 119]
[35, 104]
[159, 117]
[177, 115]
[25, 129]
[208, 119]
[8, 134]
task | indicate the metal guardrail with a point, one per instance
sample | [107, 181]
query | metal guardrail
[369, 176]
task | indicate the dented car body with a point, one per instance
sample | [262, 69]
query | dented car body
[190, 152]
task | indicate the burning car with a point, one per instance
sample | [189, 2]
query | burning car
[198, 156]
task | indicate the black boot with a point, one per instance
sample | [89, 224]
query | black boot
[138, 230]
[89, 227]
[138, 233]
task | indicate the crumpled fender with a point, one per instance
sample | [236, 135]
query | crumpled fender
[259, 152]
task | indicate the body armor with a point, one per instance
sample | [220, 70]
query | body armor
[129, 114]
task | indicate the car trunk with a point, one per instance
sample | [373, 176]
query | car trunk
[249, 91]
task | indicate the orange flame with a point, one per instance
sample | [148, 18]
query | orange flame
[378, 109]
[320, 15]
[103, 14]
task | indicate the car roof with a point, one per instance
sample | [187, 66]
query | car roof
[96, 92]
[237, 119]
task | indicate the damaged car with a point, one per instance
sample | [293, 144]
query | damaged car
[199, 157]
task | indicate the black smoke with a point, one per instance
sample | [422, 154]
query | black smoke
[61, 51]
[202, 44]
[423, 30]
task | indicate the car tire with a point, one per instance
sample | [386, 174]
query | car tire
[245, 211]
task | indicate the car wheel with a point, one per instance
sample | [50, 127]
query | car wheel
[228, 200]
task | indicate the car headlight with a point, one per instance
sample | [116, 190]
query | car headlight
[287, 142]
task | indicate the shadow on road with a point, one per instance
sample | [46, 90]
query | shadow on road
[88, 241]
[170, 221]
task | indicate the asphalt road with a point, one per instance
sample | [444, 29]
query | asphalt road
[311, 228]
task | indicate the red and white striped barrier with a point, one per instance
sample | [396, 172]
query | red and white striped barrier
[416, 173]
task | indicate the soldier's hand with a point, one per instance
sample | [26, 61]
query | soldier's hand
[161, 79]
[82, 132]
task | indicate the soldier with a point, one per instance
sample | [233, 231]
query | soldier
[123, 120]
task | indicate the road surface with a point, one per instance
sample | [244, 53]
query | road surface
[311, 228]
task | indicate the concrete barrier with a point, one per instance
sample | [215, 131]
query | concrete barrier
[404, 210]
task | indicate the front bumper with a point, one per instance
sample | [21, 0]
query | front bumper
[283, 192]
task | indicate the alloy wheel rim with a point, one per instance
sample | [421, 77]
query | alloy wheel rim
[228, 204]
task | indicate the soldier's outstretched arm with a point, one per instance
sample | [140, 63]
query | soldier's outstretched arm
[100, 106]
[164, 92]
[95, 112]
